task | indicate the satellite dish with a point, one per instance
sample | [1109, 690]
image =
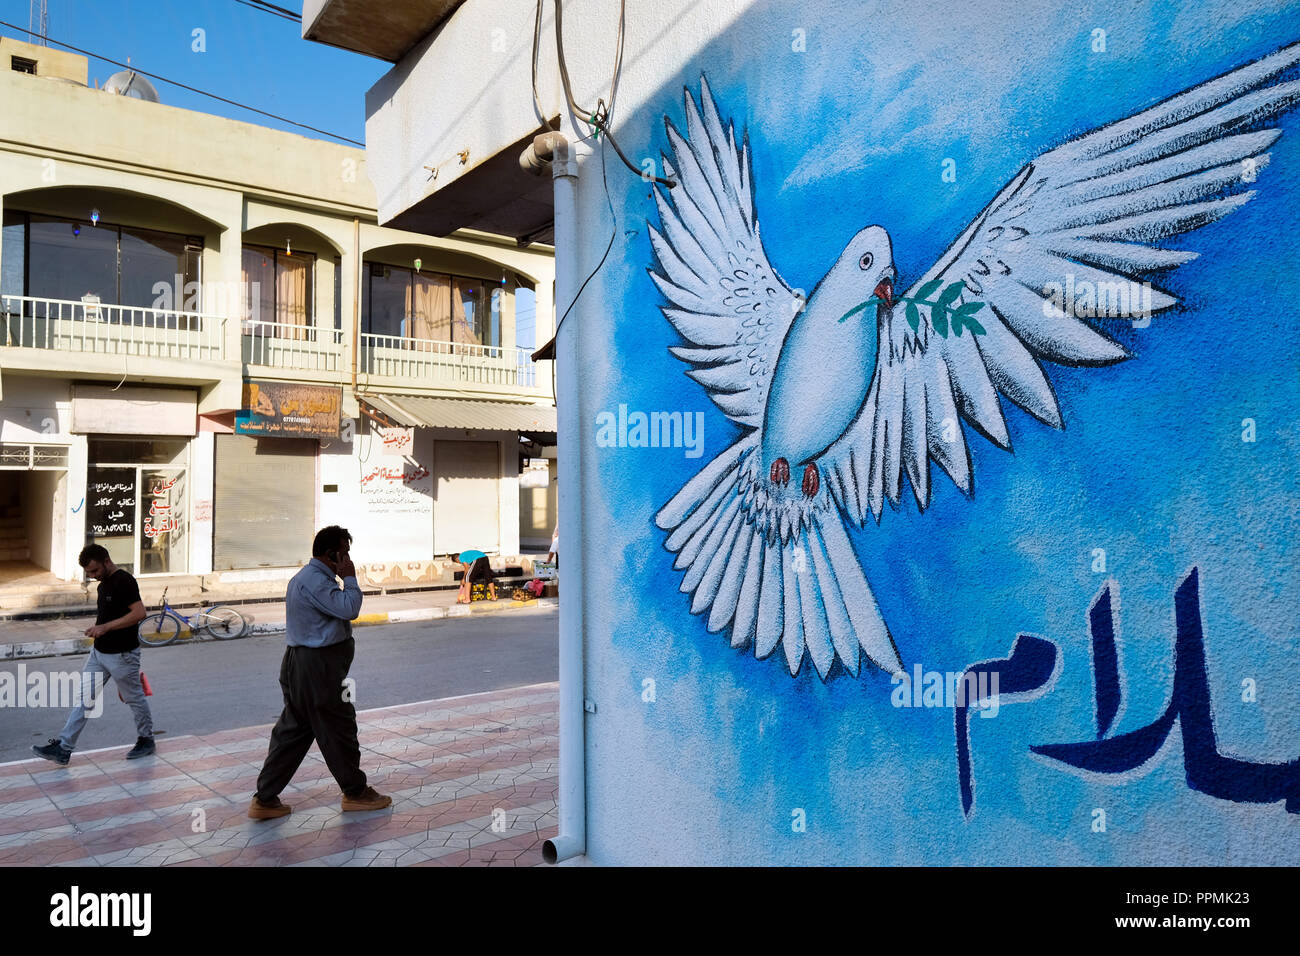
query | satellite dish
[131, 83]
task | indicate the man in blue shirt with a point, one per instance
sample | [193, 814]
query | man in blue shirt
[317, 707]
[475, 569]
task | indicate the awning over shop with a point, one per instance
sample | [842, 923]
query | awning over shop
[411, 410]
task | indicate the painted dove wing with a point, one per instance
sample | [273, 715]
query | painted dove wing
[1062, 242]
[727, 300]
[777, 569]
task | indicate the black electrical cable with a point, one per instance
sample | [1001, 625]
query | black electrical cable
[610, 245]
[599, 117]
[271, 8]
[184, 86]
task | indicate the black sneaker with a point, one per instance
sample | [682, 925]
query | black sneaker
[54, 750]
[144, 746]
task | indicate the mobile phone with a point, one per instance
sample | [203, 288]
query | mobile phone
[333, 556]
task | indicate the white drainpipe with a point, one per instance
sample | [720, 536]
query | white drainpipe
[572, 837]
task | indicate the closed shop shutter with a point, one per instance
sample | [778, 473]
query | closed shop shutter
[264, 510]
[467, 497]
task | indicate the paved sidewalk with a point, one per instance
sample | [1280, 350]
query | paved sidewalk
[53, 637]
[473, 781]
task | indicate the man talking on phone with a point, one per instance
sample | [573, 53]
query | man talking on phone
[318, 632]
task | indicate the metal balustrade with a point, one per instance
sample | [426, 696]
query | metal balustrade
[446, 363]
[285, 345]
[90, 326]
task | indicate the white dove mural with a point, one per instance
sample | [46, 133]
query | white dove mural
[843, 395]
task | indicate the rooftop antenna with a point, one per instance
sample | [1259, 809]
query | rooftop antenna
[38, 16]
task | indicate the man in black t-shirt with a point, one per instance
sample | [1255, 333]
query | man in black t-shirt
[116, 654]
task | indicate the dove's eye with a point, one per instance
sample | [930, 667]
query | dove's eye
[865, 261]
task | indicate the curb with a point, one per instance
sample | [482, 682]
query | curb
[81, 645]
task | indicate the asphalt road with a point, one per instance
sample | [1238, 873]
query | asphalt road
[221, 685]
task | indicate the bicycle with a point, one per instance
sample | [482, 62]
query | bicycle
[162, 628]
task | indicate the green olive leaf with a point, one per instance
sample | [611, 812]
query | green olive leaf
[939, 319]
[927, 290]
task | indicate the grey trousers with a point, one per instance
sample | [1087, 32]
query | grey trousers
[124, 669]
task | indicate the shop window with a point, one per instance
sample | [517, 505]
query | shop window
[144, 451]
[137, 503]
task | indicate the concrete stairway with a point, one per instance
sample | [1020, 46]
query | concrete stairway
[13, 536]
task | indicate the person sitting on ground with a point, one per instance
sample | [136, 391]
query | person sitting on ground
[475, 569]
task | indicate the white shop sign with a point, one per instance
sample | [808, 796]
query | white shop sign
[134, 410]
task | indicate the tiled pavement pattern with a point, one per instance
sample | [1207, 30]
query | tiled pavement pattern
[473, 781]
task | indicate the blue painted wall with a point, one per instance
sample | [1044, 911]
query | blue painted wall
[732, 754]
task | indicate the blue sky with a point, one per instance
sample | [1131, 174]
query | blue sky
[251, 57]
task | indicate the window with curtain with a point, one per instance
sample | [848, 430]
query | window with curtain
[467, 324]
[430, 307]
[259, 287]
[278, 288]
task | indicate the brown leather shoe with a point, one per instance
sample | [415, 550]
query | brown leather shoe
[367, 799]
[257, 810]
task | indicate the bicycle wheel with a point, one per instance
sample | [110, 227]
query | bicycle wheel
[159, 630]
[224, 623]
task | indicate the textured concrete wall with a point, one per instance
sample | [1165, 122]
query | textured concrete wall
[1141, 560]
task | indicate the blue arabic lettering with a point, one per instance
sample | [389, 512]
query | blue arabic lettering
[1208, 771]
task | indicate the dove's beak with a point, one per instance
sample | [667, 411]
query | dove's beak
[885, 291]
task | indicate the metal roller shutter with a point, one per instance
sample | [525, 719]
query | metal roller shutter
[265, 502]
[467, 497]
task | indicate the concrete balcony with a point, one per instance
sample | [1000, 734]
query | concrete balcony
[280, 345]
[32, 326]
[393, 361]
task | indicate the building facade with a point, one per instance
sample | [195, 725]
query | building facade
[210, 348]
[1088, 494]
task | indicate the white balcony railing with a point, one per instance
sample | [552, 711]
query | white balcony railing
[284, 345]
[90, 326]
[446, 363]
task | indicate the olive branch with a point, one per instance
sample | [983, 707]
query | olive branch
[942, 314]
